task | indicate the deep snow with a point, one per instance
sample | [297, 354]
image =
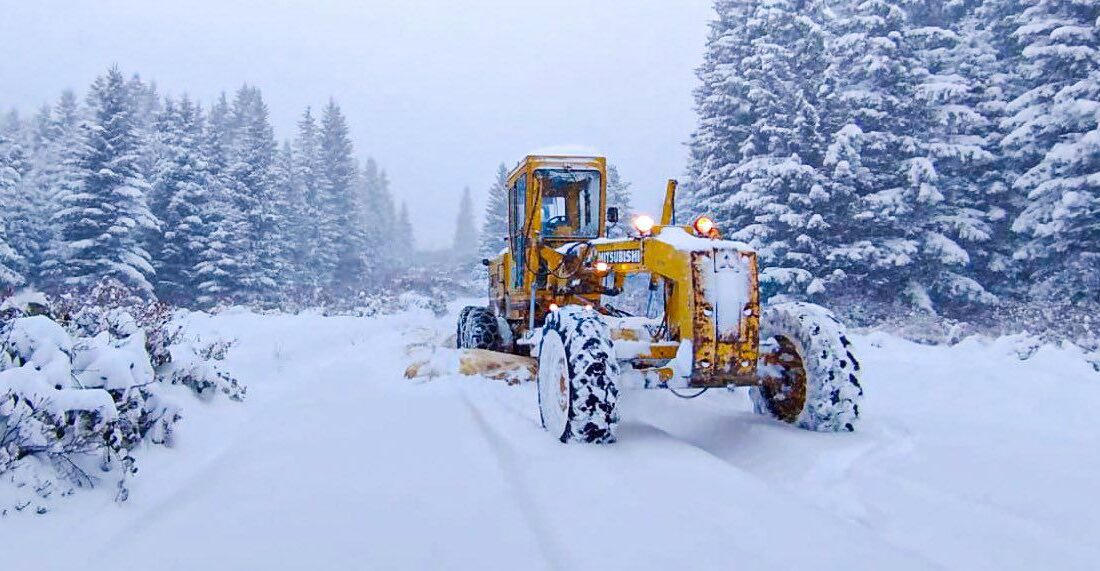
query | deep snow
[967, 458]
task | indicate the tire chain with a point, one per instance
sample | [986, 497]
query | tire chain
[593, 370]
[833, 389]
[478, 329]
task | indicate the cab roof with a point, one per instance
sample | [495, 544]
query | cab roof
[576, 161]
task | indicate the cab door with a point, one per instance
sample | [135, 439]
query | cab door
[517, 216]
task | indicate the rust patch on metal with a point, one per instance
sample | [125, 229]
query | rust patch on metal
[749, 346]
[624, 335]
[702, 321]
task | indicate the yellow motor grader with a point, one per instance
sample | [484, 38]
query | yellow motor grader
[552, 296]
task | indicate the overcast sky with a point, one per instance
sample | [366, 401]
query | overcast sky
[439, 92]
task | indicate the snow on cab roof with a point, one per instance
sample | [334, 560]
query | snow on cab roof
[566, 150]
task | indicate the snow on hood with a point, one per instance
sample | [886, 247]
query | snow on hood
[681, 240]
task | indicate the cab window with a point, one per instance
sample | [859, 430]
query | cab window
[570, 203]
[518, 218]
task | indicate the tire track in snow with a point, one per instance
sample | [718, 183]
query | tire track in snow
[506, 461]
[779, 490]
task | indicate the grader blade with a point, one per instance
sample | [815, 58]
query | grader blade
[480, 362]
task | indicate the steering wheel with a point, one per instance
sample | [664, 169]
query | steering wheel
[554, 222]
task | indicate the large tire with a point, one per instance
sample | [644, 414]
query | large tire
[810, 376]
[478, 329]
[577, 377]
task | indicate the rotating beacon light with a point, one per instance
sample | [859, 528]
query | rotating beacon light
[704, 226]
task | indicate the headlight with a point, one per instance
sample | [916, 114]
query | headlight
[643, 224]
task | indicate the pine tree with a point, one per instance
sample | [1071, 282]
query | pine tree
[893, 249]
[618, 196]
[182, 188]
[465, 241]
[403, 241]
[57, 174]
[104, 216]
[10, 260]
[1054, 137]
[299, 278]
[16, 205]
[311, 255]
[758, 147]
[256, 222]
[218, 136]
[958, 91]
[147, 106]
[220, 264]
[341, 232]
[378, 222]
[495, 226]
[725, 114]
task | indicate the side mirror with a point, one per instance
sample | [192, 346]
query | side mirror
[612, 215]
[485, 261]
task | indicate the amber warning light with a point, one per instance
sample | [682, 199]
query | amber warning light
[704, 226]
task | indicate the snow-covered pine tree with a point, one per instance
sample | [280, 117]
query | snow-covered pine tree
[403, 241]
[618, 196]
[57, 172]
[14, 204]
[725, 115]
[260, 224]
[220, 264]
[378, 219]
[313, 257]
[991, 28]
[894, 250]
[104, 217]
[958, 89]
[218, 135]
[299, 278]
[465, 240]
[494, 228]
[758, 144]
[147, 109]
[182, 188]
[341, 231]
[10, 178]
[1054, 137]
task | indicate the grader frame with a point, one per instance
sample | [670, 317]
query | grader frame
[706, 338]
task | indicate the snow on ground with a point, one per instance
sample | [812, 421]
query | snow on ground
[968, 458]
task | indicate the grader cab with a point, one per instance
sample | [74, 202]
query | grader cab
[553, 296]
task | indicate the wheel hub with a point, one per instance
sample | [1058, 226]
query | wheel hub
[786, 393]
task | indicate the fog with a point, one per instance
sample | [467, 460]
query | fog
[438, 92]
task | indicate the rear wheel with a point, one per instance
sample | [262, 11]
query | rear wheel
[810, 378]
[576, 377]
[478, 329]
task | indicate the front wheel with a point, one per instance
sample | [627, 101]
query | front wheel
[576, 377]
[478, 328]
[809, 376]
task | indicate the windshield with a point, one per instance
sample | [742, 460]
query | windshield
[570, 203]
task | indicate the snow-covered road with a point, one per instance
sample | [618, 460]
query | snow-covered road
[968, 458]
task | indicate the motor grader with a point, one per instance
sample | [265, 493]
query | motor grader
[553, 291]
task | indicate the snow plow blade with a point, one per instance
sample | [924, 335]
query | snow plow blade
[491, 364]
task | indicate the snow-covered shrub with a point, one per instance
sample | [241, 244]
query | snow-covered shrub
[185, 360]
[68, 402]
[81, 387]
